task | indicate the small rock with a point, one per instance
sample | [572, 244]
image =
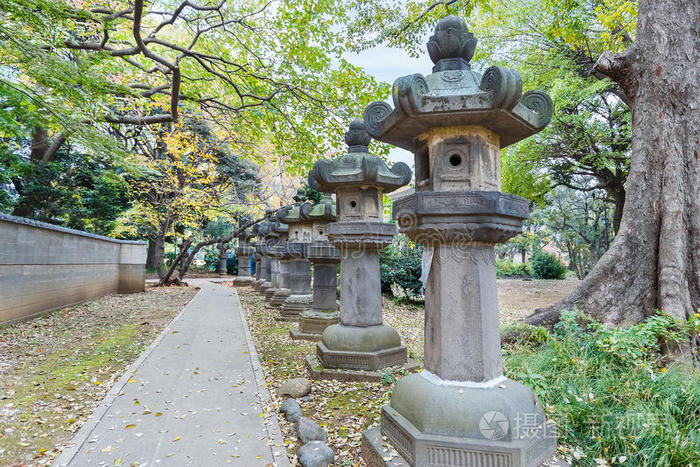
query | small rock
[309, 431]
[291, 410]
[315, 454]
[306, 399]
[297, 387]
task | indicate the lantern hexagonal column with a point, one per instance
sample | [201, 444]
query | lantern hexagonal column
[276, 246]
[460, 410]
[360, 341]
[325, 258]
[300, 232]
[243, 253]
[262, 231]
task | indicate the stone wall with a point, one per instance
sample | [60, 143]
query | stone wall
[44, 267]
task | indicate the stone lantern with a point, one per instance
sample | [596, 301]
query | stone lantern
[275, 250]
[299, 269]
[325, 258]
[243, 252]
[279, 264]
[262, 267]
[461, 410]
[282, 291]
[360, 341]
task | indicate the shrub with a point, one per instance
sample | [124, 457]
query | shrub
[609, 393]
[232, 265]
[400, 265]
[525, 334]
[211, 259]
[547, 266]
[507, 268]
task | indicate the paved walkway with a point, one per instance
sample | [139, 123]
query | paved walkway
[194, 397]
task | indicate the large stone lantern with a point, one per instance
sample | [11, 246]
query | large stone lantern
[461, 410]
[325, 258]
[300, 232]
[275, 251]
[262, 267]
[243, 253]
[361, 341]
[281, 290]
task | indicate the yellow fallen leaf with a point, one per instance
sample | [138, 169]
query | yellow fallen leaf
[177, 438]
[170, 455]
[158, 414]
[129, 426]
[118, 461]
[132, 380]
[147, 412]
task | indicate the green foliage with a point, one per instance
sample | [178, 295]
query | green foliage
[525, 334]
[312, 195]
[637, 342]
[612, 402]
[75, 191]
[388, 378]
[232, 265]
[547, 266]
[400, 265]
[211, 258]
[507, 268]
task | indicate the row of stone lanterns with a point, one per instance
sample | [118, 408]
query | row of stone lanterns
[460, 410]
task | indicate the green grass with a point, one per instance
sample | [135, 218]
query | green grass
[608, 405]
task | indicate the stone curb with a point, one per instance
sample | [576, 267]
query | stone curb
[273, 429]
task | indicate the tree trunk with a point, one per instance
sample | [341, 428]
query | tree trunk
[618, 196]
[165, 279]
[159, 254]
[654, 261]
[151, 253]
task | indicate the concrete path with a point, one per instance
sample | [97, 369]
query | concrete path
[194, 397]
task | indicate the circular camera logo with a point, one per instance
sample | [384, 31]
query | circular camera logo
[493, 425]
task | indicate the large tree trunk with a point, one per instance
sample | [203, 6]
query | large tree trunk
[654, 261]
[151, 253]
[159, 254]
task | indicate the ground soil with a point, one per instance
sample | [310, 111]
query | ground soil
[518, 298]
[55, 370]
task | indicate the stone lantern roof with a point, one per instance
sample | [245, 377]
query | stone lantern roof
[358, 167]
[247, 233]
[292, 214]
[323, 211]
[493, 100]
[262, 228]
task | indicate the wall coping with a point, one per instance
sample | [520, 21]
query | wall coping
[56, 228]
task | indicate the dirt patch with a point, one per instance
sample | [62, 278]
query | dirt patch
[55, 370]
[518, 298]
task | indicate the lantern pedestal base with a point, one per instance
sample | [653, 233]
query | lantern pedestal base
[270, 292]
[313, 323]
[316, 371]
[293, 306]
[377, 453]
[431, 421]
[279, 297]
[243, 280]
